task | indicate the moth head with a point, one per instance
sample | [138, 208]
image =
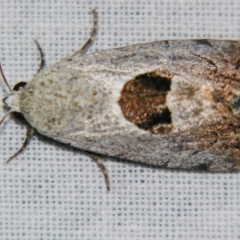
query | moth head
[12, 100]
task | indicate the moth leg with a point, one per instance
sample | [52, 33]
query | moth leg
[90, 40]
[29, 133]
[42, 59]
[104, 170]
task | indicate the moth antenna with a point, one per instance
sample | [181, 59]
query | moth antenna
[3, 118]
[29, 133]
[90, 40]
[42, 59]
[4, 79]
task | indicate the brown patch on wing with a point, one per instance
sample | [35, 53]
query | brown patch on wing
[143, 102]
[203, 42]
[237, 66]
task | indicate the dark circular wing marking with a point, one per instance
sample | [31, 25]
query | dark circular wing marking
[143, 102]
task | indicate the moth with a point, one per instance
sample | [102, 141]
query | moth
[171, 103]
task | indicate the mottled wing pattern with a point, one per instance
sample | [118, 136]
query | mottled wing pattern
[166, 103]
